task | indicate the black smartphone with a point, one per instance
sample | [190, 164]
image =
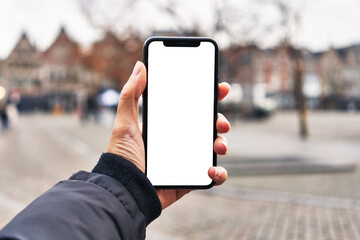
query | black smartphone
[180, 111]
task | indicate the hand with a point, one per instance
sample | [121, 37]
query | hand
[126, 136]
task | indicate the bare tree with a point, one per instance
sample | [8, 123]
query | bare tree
[227, 18]
[290, 18]
[298, 71]
[240, 24]
[109, 15]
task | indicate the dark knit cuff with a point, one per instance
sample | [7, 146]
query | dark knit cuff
[135, 182]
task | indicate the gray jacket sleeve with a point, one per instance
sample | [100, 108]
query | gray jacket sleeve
[115, 201]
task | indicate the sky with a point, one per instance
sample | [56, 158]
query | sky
[324, 23]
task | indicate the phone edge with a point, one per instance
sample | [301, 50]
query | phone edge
[144, 109]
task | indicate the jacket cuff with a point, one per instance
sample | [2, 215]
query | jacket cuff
[135, 182]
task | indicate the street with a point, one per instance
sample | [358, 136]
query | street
[279, 187]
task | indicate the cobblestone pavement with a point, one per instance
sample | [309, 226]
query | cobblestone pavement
[43, 150]
[198, 216]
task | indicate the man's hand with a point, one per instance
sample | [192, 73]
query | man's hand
[126, 137]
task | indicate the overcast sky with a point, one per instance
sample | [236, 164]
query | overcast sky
[324, 23]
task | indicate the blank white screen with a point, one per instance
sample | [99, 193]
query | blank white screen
[180, 114]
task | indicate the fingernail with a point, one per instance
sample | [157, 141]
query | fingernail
[217, 173]
[225, 143]
[137, 69]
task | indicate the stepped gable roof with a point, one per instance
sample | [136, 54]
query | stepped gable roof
[104, 53]
[23, 50]
[114, 57]
[239, 49]
[342, 52]
[63, 51]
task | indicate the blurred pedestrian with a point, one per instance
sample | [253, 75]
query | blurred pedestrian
[90, 110]
[4, 117]
[13, 114]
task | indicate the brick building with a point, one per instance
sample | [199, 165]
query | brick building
[21, 72]
[261, 73]
[65, 79]
[331, 78]
[350, 57]
[278, 74]
[331, 73]
[340, 76]
[114, 58]
[243, 65]
[64, 75]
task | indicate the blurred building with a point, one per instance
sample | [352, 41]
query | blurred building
[312, 82]
[63, 77]
[2, 83]
[65, 80]
[331, 78]
[278, 74]
[351, 71]
[21, 74]
[2, 78]
[340, 76]
[114, 58]
[244, 65]
[264, 75]
[331, 72]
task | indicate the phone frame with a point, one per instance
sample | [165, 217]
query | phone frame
[180, 42]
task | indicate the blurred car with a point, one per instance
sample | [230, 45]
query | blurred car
[249, 101]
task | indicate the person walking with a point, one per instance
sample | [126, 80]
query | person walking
[4, 118]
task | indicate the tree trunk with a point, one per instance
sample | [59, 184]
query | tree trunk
[299, 67]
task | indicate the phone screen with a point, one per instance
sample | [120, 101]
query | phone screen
[181, 105]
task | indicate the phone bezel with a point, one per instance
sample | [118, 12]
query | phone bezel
[180, 42]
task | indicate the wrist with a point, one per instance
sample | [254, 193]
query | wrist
[135, 182]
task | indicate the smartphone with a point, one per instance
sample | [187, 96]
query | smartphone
[180, 111]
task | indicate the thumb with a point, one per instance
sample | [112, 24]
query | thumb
[131, 92]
